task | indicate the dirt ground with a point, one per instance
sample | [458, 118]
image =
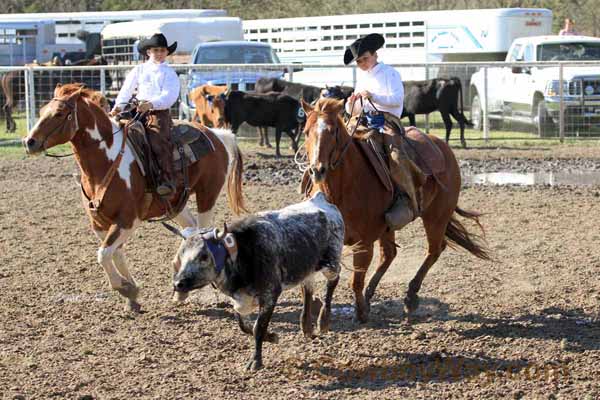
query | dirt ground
[524, 326]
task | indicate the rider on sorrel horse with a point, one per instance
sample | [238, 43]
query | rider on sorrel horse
[72, 116]
[340, 169]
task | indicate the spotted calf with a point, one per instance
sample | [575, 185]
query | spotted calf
[261, 255]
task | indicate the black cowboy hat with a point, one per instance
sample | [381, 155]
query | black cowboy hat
[157, 40]
[371, 43]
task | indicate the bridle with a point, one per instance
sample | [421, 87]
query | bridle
[72, 115]
[338, 161]
[334, 164]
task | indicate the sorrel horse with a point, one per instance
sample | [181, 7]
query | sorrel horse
[338, 167]
[96, 139]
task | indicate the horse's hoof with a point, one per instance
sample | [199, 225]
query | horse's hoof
[324, 321]
[361, 318]
[411, 303]
[133, 307]
[323, 327]
[272, 338]
[179, 297]
[309, 334]
[254, 365]
[129, 291]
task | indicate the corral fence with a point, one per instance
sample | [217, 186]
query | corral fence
[550, 100]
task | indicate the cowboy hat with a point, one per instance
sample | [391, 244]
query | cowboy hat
[157, 40]
[371, 43]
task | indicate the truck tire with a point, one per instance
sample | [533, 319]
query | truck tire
[476, 113]
[542, 121]
[477, 116]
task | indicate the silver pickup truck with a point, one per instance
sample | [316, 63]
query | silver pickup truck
[531, 94]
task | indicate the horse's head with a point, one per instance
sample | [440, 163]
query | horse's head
[58, 122]
[325, 136]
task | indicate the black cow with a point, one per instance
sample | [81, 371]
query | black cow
[444, 95]
[296, 90]
[264, 109]
[258, 257]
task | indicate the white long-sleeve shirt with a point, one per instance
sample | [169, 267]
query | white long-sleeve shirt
[156, 83]
[385, 85]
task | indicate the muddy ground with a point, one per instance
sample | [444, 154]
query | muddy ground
[524, 326]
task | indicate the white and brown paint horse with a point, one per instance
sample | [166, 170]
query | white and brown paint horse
[73, 115]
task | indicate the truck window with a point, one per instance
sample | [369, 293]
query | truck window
[569, 51]
[514, 54]
[234, 55]
[528, 53]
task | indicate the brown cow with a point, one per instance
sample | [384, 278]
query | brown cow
[210, 105]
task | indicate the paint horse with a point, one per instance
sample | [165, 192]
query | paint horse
[338, 167]
[97, 141]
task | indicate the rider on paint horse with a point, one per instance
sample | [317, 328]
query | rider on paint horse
[380, 93]
[157, 87]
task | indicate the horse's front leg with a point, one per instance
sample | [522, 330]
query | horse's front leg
[387, 253]
[361, 260]
[333, 277]
[112, 259]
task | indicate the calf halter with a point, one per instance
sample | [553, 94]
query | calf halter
[220, 248]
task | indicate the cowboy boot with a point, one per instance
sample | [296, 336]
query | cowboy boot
[409, 179]
[166, 188]
[164, 154]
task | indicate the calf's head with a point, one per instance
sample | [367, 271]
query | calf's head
[201, 257]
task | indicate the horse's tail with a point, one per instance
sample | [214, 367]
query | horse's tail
[234, 183]
[235, 169]
[458, 235]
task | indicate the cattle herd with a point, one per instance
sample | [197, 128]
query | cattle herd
[276, 103]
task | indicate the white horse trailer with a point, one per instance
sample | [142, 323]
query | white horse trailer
[23, 42]
[68, 23]
[119, 41]
[410, 37]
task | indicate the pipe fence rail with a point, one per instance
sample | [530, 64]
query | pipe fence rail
[548, 100]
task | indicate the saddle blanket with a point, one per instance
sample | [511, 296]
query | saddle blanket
[193, 141]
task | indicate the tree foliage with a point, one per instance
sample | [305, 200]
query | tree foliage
[586, 13]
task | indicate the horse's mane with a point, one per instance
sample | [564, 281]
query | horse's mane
[71, 88]
[94, 96]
